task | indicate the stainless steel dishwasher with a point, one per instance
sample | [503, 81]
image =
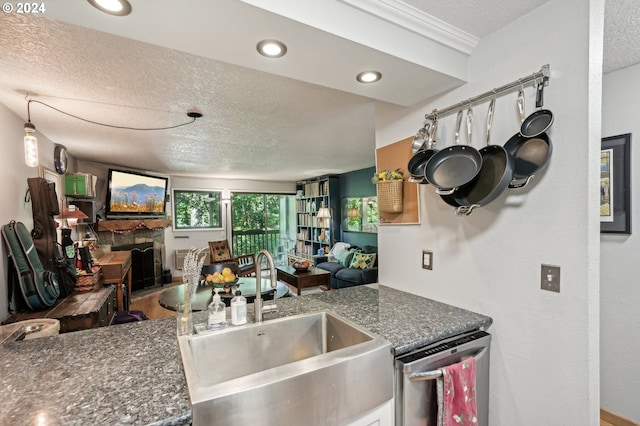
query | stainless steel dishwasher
[417, 371]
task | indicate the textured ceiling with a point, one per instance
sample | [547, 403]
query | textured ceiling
[249, 116]
[479, 18]
[621, 34]
[256, 124]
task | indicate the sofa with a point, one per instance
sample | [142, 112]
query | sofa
[345, 272]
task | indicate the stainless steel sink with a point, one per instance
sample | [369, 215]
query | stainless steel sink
[310, 369]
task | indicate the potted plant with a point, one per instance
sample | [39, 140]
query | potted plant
[390, 184]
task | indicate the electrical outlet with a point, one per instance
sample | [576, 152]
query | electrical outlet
[427, 259]
[550, 278]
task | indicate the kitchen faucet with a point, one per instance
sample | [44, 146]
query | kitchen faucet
[257, 303]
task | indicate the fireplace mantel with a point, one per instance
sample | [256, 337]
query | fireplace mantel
[130, 225]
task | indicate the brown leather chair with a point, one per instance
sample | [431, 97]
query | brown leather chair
[221, 253]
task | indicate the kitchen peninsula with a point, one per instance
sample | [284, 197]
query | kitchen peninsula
[132, 373]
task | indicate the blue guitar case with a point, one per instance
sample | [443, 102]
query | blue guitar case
[38, 287]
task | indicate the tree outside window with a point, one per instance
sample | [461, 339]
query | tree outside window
[197, 209]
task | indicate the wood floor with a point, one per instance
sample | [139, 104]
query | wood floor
[147, 302]
[610, 419]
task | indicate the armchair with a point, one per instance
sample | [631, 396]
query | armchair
[221, 253]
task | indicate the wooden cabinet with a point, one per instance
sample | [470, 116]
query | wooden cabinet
[312, 232]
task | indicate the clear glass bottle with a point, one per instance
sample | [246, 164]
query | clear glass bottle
[238, 309]
[217, 313]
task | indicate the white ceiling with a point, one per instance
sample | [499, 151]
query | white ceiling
[300, 116]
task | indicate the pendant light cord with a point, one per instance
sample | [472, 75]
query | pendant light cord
[192, 115]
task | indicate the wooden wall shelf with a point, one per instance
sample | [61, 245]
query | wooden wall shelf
[130, 225]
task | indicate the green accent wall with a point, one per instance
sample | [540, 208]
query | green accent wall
[358, 184]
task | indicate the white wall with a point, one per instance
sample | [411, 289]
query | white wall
[620, 292]
[544, 361]
[14, 174]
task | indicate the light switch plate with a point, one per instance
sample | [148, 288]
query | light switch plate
[550, 278]
[427, 259]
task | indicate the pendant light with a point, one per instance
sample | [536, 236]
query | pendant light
[30, 141]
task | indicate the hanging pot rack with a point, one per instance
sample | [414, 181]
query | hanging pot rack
[542, 75]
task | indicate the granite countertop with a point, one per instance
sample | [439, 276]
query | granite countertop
[131, 374]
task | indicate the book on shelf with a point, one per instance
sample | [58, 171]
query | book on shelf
[301, 247]
[312, 189]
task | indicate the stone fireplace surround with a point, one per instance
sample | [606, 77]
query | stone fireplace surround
[136, 233]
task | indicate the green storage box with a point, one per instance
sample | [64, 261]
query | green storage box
[78, 185]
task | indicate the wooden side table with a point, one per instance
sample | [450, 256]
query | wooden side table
[115, 267]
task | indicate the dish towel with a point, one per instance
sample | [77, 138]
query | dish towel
[456, 393]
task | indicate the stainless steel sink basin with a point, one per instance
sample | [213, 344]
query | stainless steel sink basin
[310, 369]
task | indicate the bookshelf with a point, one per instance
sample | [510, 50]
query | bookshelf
[312, 232]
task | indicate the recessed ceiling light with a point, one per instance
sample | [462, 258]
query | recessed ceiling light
[272, 48]
[368, 76]
[112, 7]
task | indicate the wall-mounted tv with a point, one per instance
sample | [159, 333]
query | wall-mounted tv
[135, 195]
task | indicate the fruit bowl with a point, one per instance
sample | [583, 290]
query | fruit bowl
[301, 266]
[226, 278]
[222, 285]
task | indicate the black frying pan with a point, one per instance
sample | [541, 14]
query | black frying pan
[530, 154]
[494, 177]
[419, 160]
[454, 166]
[540, 121]
[450, 198]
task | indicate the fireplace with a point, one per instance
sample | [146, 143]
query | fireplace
[145, 240]
[143, 272]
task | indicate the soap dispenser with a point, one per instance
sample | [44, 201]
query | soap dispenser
[238, 309]
[217, 313]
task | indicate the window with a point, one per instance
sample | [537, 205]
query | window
[196, 209]
[263, 221]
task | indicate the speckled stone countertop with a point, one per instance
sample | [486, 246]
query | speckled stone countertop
[131, 374]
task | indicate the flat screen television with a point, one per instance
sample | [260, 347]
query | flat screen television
[136, 195]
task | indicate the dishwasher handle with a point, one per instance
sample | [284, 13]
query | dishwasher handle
[434, 374]
[425, 375]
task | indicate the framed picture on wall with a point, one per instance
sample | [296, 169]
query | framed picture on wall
[615, 184]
